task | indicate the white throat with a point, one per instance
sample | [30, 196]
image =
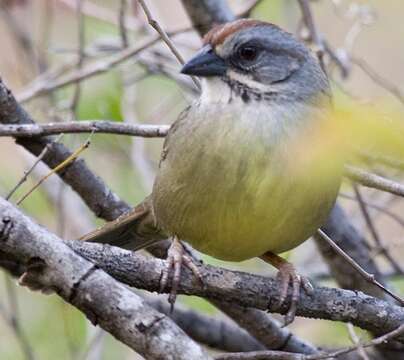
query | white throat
[215, 90]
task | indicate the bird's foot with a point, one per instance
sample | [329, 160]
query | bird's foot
[176, 256]
[288, 275]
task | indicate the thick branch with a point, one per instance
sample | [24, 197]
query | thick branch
[69, 275]
[212, 331]
[51, 264]
[246, 290]
[215, 333]
[268, 330]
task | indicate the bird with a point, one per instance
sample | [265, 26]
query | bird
[245, 170]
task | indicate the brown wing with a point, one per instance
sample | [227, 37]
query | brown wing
[137, 228]
[133, 230]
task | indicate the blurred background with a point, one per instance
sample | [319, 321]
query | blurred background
[42, 40]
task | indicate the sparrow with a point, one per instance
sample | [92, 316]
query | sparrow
[244, 171]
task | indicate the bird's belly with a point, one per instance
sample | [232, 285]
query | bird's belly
[239, 209]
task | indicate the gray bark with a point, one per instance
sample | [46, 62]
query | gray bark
[51, 265]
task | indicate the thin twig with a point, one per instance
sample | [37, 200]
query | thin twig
[311, 26]
[14, 321]
[355, 339]
[88, 71]
[81, 55]
[281, 355]
[31, 169]
[374, 181]
[74, 127]
[22, 37]
[164, 36]
[374, 232]
[98, 336]
[390, 87]
[342, 63]
[122, 23]
[377, 207]
[91, 9]
[260, 355]
[321, 45]
[367, 276]
[59, 167]
[375, 342]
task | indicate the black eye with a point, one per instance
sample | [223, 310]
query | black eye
[248, 53]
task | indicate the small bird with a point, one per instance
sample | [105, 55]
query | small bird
[244, 171]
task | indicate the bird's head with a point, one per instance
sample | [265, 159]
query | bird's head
[257, 60]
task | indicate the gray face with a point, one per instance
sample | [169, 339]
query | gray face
[270, 56]
[263, 58]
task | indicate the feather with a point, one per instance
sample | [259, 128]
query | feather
[133, 230]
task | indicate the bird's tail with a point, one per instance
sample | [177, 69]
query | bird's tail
[133, 230]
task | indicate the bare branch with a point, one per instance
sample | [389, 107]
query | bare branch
[355, 339]
[279, 355]
[321, 46]
[374, 232]
[88, 71]
[245, 289]
[347, 237]
[311, 26]
[24, 240]
[13, 319]
[52, 265]
[267, 330]
[382, 209]
[122, 23]
[155, 25]
[31, 169]
[94, 10]
[374, 181]
[260, 355]
[80, 55]
[366, 275]
[212, 331]
[96, 126]
[73, 157]
[379, 80]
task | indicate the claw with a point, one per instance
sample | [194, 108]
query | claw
[287, 275]
[176, 256]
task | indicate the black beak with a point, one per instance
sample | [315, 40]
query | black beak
[205, 63]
